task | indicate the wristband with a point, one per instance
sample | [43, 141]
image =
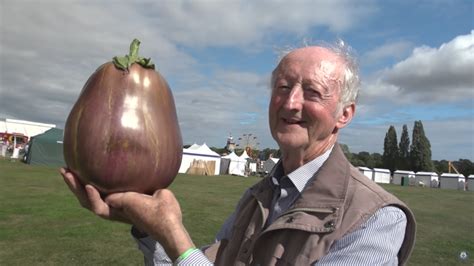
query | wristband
[186, 254]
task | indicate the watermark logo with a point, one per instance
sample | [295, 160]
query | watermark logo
[463, 256]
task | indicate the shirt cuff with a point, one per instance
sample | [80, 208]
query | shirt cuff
[196, 257]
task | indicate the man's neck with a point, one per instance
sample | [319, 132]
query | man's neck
[293, 159]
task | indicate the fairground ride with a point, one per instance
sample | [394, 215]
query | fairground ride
[248, 142]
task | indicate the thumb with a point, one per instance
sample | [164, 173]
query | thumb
[126, 200]
[116, 200]
[120, 200]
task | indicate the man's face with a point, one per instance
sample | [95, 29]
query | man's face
[304, 107]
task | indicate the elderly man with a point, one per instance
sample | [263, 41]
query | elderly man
[314, 208]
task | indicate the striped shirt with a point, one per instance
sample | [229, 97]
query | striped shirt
[375, 242]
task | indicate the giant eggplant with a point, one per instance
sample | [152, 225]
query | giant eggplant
[122, 133]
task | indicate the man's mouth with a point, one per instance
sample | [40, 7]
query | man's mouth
[293, 121]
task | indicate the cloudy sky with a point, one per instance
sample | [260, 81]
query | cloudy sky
[416, 59]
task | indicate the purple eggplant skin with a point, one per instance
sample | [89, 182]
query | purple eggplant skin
[122, 134]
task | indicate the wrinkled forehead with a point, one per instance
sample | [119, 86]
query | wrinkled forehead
[317, 61]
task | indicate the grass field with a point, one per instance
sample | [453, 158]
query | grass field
[41, 223]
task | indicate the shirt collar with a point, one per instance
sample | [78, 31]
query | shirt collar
[301, 176]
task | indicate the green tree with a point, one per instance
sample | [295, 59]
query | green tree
[377, 159]
[420, 150]
[404, 148]
[366, 158]
[356, 161]
[390, 150]
[464, 166]
[441, 166]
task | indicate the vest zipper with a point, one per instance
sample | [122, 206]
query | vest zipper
[329, 210]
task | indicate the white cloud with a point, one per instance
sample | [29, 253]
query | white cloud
[232, 103]
[428, 75]
[428, 85]
[396, 50]
[229, 23]
[436, 74]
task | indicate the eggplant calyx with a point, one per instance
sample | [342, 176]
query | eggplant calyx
[124, 62]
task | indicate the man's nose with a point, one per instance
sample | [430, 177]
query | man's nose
[295, 99]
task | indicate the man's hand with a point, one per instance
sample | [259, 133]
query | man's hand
[89, 198]
[158, 215]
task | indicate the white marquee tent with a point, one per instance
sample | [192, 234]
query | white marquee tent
[237, 164]
[200, 153]
[26, 128]
[244, 155]
[15, 130]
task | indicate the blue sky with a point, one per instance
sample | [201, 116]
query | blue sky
[416, 60]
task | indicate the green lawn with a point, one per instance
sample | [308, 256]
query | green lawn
[41, 223]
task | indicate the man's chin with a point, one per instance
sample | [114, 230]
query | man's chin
[289, 142]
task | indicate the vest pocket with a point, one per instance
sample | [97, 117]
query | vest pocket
[312, 220]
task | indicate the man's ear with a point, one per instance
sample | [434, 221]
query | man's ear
[345, 116]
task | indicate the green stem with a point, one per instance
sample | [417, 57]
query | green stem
[124, 62]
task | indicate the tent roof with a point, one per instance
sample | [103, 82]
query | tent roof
[403, 172]
[452, 175]
[206, 150]
[26, 128]
[364, 168]
[244, 155]
[427, 173]
[381, 170]
[54, 134]
[200, 150]
[194, 147]
[233, 157]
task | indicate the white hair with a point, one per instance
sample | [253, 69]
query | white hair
[351, 81]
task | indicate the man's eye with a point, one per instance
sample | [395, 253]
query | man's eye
[312, 93]
[283, 88]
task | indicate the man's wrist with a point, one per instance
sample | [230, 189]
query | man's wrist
[137, 233]
[186, 254]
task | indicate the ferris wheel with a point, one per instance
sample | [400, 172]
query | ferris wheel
[248, 142]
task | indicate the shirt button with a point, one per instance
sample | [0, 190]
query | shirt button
[329, 224]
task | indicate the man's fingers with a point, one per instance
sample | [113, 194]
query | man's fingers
[70, 180]
[115, 200]
[128, 206]
[97, 205]
[76, 187]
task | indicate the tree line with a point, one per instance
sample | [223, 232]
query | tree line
[397, 155]
[403, 155]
